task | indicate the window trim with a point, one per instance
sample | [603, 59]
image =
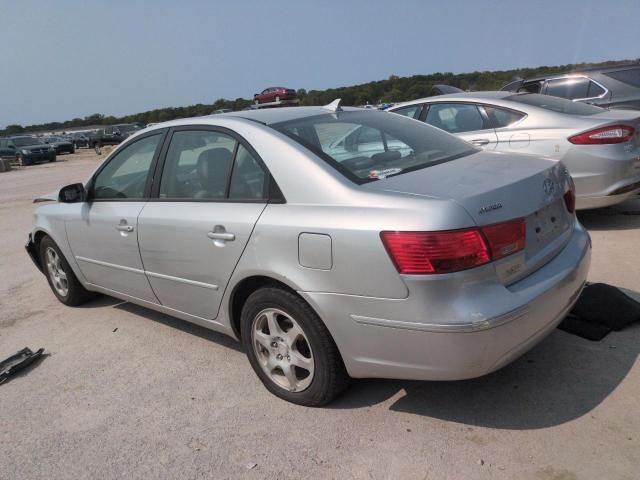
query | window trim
[271, 193]
[543, 90]
[152, 168]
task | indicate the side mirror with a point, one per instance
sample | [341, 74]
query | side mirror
[74, 193]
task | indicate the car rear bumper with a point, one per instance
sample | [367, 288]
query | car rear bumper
[449, 329]
[604, 175]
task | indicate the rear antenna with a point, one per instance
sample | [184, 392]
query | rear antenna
[334, 106]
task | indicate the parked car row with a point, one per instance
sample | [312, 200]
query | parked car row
[26, 150]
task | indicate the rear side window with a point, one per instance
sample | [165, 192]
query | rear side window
[455, 117]
[503, 118]
[630, 76]
[248, 180]
[573, 88]
[411, 111]
[366, 146]
[197, 165]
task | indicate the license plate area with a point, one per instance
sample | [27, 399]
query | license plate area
[547, 224]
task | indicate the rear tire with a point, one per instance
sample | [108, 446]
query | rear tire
[51, 160]
[63, 282]
[286, 343]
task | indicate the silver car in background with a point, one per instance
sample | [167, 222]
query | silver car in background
[601, 148]
[334, 243]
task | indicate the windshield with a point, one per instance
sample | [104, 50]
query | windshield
[555, 104]
[370, 145]
[26, 141]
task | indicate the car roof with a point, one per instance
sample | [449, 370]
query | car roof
[465, 96]
[610, 68]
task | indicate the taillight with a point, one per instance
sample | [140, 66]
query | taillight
[570, 200]
[604, 135]
[453, 250]
[505, 238]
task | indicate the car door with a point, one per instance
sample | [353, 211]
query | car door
[465, 120]
[103, 233]
[211, 192]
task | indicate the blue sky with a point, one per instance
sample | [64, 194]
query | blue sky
[69, 58]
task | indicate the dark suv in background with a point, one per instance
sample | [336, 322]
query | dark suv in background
[26, 150]
[610, 87]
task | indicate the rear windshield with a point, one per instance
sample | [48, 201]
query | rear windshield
[555, 104]
[370, 145]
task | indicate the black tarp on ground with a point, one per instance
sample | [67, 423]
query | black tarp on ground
[18, 361]
[600, 309]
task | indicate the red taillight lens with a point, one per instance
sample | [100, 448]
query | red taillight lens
[454, 250]
[570, 200]
[436, 252]
[505, 238]
[604, 135]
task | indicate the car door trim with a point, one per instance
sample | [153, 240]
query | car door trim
[182, 280]
[110, 265]
[145, 272]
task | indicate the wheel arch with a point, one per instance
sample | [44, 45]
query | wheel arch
[243, 289]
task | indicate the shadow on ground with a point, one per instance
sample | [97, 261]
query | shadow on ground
[625, 216]
[563, 378]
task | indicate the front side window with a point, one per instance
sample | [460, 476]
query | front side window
[197, 165]
[571, 88]
[370, 145]
[125, 176]
[501, 117]
[455, 117]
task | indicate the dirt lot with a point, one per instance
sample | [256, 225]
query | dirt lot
[127, 392]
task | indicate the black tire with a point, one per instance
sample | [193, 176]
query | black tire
[73, 149]
[23, 162]
[52, 159]
[330, 377]
[98, 148]
[77, 294]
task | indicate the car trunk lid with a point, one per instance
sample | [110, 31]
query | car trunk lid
[497, 187]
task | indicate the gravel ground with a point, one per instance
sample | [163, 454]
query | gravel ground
[128, 392]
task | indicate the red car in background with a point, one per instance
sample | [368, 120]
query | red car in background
[274, 94]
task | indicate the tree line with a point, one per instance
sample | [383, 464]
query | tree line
[392, 90]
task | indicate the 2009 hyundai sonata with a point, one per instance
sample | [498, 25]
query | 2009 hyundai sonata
[333, 242]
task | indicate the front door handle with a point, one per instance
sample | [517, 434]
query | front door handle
[125, 228]
[226, 236]
[480, 141]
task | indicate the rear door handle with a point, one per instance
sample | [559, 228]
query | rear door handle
[226, 236]
[480, 141]
[124, 228]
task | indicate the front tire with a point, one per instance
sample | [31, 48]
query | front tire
[23, 162]
[63, 282]
[290, 349]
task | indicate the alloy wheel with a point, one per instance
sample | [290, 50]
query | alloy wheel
[282, 349]
[56, 272]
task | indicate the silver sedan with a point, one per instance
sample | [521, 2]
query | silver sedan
[335, 243]
[601, 148]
